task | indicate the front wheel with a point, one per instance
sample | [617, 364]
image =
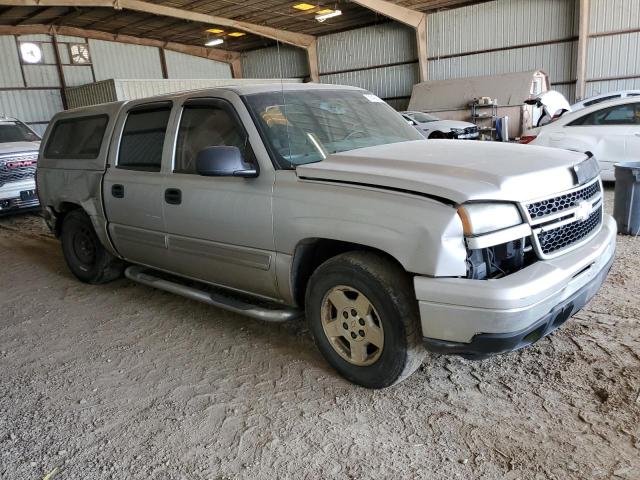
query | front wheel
[363, 315]
[86, 257]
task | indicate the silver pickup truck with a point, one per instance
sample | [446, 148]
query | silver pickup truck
[18, 159]
[280, 201]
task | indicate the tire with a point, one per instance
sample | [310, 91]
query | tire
[392, 321]
[437, 136]
[85, 256]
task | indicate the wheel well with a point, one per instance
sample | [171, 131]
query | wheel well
[61, 212]
[437, 135]
[311, 253]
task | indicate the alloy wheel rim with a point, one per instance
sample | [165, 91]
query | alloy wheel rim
[352, 325]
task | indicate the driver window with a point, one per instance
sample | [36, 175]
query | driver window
[207, 125]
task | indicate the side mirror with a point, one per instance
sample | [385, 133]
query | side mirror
[223, 161]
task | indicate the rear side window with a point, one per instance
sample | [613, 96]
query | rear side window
[143, 138]
[77, 138]
[600, 100]
[627, 114]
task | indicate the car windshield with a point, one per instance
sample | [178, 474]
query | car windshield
[303, 127]
[423, 117]
[16, 132]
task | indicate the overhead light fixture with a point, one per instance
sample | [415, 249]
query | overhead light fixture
[237, 34]
[322, 15]
[213, 42]
[215, 30]
[304, 6]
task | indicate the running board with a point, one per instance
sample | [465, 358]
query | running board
[278, 313]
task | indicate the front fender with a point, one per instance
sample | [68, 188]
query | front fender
[424, 235]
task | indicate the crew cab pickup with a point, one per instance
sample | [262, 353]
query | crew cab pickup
[18, 159]
[279, 201]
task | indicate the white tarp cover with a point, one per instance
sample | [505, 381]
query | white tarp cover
[511, 89]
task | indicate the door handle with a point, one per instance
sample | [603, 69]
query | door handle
[637, 134]
[173, 196]
[117, 190]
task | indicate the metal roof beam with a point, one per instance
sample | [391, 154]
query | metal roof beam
[285, 36]
[204, 52]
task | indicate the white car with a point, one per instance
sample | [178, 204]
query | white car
[610, 131]
[604, 97]
[432, 127]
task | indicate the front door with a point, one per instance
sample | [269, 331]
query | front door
[219, 228]
[633, 137]
[603, 132]
[133, 186]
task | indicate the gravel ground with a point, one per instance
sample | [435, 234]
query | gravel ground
[122, 381]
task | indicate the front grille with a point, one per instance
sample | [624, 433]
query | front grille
[562, 202]
[552, 241]
[9, 173]
[565, 220]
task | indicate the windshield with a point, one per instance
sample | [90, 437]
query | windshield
[305, 126]
[423, 117]
[16, 132]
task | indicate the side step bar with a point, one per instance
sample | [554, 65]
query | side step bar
[279, 313]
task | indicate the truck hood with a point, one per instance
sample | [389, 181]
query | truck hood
[453, 170]
[18, 147]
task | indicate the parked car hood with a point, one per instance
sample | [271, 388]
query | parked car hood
[18, 147]
[446, 124]
[453, 170]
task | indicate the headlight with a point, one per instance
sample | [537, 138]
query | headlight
[457, 130]
[479, 218]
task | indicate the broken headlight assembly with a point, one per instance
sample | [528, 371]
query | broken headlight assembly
[497, 239]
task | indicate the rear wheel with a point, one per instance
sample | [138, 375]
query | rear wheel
[363, 315]
[86, 257]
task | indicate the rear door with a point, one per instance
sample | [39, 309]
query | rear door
[220, 229]
[133, 186]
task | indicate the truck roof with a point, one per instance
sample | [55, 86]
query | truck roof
[238, 89]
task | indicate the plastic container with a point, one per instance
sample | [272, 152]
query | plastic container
[626, 208]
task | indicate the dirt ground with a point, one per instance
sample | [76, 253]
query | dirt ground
[123, 381]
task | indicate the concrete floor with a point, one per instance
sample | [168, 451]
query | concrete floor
[122, 381]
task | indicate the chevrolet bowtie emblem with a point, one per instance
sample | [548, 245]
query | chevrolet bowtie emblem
[583, 211]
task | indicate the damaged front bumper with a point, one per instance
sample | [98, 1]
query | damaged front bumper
[484, 317]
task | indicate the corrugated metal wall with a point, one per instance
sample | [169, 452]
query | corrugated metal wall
[118, 60]
[33, 92]
[282, 61]
[29, 92]
[613, 60]
[506, 36]
[367, 47]
[180, 65]
[381, 58]
[501, 36]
